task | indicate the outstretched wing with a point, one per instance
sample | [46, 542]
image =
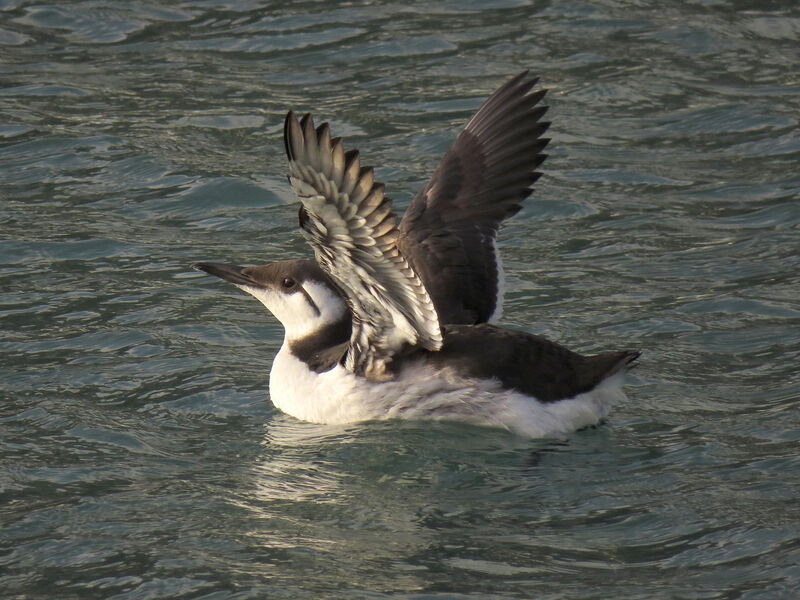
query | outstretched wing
[349, 222]
[449, 232]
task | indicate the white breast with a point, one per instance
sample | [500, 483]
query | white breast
[419, 392]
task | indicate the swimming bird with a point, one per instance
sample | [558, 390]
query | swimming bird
[397, 319]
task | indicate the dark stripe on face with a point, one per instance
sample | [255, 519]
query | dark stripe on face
[310, 300]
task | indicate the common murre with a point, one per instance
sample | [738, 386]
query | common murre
[394, 320]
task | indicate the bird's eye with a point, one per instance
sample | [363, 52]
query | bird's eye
[287, 283]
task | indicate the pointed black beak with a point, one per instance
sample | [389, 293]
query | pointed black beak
[232, 273]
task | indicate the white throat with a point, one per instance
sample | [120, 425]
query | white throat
[304, 311]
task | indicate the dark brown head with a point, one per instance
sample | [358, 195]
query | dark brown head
[297, 292]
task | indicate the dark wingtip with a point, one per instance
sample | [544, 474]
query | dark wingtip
[302, 217]
[286, 145]
[521, 76]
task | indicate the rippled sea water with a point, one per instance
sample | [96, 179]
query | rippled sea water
[140, 456]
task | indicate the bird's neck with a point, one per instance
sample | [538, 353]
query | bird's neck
[322, 348]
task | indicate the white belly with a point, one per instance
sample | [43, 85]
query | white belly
[419, 392]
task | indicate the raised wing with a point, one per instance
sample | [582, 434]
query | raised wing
[449, 232]
[350, 225]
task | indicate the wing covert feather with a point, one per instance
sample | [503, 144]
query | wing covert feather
[449, 231]
[349, 223]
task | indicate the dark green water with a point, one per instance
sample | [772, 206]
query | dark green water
[139, 454]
